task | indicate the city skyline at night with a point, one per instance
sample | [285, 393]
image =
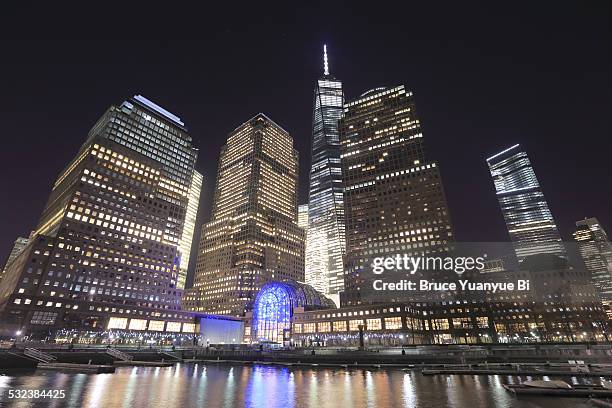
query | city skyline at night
[545, 89]
[310, 205]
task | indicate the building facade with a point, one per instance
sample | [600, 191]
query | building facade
[596, 252]
[253, 236]
[147, 128]
[560, 306]
[326, 241]
[303, 217]
[101, 258]
[530, 223]
[18, 246]
[393, 194]
[191, 216]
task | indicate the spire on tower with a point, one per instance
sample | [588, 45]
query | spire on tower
[325, 64]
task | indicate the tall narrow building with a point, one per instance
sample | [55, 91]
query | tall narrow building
[530, 223]
[105, 254]
[253, 236]
[596, 252]
[393, 194]
[193, 203]
[325, 247]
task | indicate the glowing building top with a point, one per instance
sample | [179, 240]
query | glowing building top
[530, 223]
[325, 241]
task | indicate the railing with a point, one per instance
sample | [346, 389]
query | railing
[39, 355]
[119, 354]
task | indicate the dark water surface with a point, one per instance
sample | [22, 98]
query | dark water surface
[197, 385]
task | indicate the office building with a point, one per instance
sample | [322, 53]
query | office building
[393, 194]
[18, 246]
[530, 223]
[303, 216]
[326, 241]
[596, 252]
[151, 130]
[105, 254]
[191, 215]
[253, 236]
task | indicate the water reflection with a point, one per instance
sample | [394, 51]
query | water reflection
[196, 385]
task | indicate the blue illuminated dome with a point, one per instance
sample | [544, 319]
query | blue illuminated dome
[274, 304]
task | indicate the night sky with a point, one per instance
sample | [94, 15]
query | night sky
[484, 78]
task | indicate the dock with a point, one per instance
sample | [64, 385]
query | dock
[136, 363]
[78, 368]
[521, 371]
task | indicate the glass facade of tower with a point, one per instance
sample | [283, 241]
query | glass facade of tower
[100, 259]
[189, 227]
[152, 131]
[596, 252]
[253, 236]
[18, 246]
[530, 223]
[303, 217]
[325, 246]
[394, 198]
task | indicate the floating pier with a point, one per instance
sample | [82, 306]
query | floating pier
[135, 363]
[77, 368]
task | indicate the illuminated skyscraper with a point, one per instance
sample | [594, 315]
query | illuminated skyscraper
[189, 227]
[151, 130]
[326, 241]
[530, 223]
[105, 254]
[253, 236]
[18, 246]
[394, 198]
[596, 252]
[303, 216]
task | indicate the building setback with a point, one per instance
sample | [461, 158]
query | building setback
[393, 195]
[326, 241]
[530, 223]
[253, 236]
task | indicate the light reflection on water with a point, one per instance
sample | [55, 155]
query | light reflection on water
[198, 385]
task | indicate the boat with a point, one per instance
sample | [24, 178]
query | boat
[559, 388]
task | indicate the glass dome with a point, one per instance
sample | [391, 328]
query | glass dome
[274, 304]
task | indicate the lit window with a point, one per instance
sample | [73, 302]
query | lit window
[117, 323]
[374, 324]
[393, 323]
[354, 324]
[173, 327]
[156, 325]
[138, 324]
[309, 327]
[324, 327]
[340, 326]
